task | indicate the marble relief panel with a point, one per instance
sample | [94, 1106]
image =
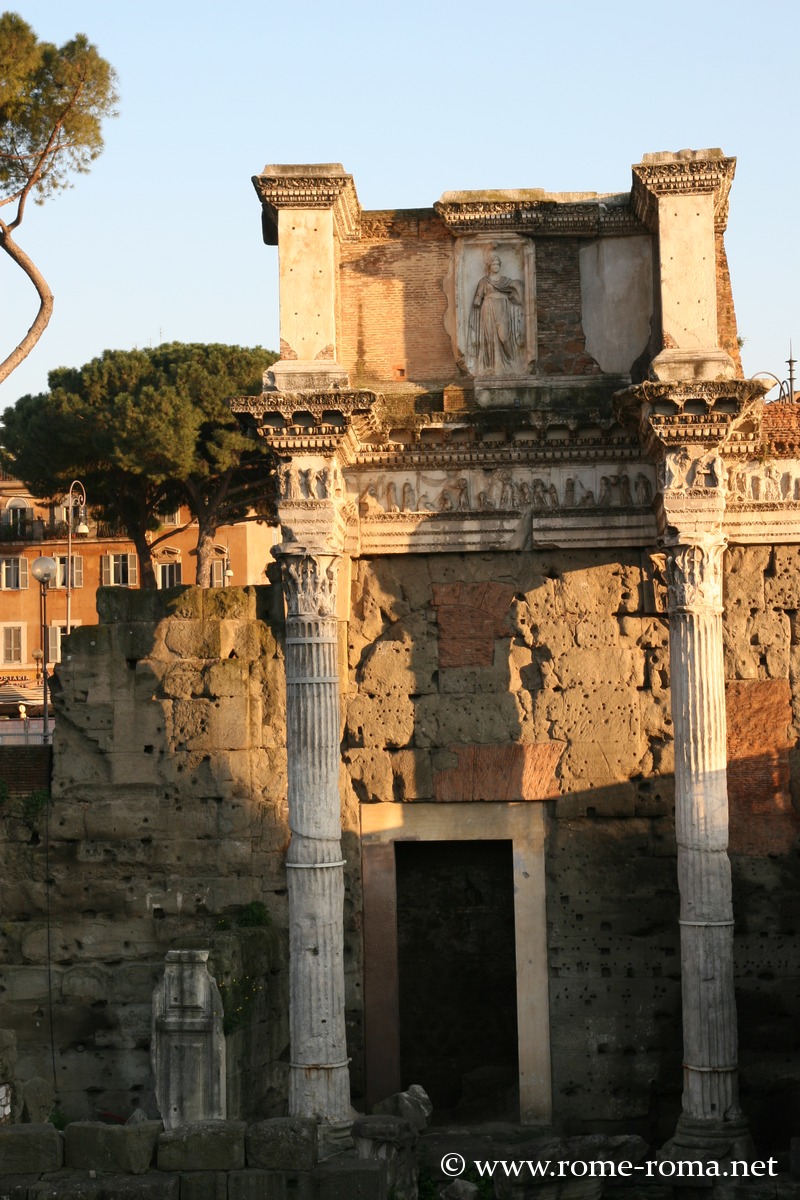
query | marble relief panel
[496, 306]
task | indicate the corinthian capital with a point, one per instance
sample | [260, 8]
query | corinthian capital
[694, 576]
[309, 581]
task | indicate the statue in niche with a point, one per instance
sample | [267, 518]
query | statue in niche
[496, 335]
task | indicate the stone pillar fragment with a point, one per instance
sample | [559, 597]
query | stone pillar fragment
[319, 1082]
[188, 1044]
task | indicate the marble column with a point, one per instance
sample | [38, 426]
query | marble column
[319, 1081]
[711, 1118]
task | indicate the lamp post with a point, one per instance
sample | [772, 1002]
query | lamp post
[79, 490]
[228, 567]
[43, 570]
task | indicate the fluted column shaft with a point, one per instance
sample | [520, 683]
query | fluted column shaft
[319, 1082]
[710, 1091]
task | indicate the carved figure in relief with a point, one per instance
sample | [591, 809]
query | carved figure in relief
[522, 495]
[391, 497]
[772, 483]
[485, 502]
[307, 483]
[496, 336]
[506, 489]
[676, 468]
[605, 491]
[552, 496]
[624, 484]
[644, 492]
[322, 483]
[540, 496]
[289, 481]
[587, 499]
[368, 501]
[454, 496]
[409, 497]
[569, 493]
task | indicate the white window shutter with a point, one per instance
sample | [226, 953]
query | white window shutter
[105, 570]
[133, 571]
[23, 572]
[217, 568]
[53, 644]
[77, 570]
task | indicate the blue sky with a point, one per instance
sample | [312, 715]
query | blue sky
[162, 240]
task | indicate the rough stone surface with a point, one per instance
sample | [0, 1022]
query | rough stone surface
[349, 1179]
[92, 1145]
[26, 1148]
[208, 1185]
[257, 1184]
[153, 1186]
[203, 1146]
[283, 1144]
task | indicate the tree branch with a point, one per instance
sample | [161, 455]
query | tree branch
[18, 255]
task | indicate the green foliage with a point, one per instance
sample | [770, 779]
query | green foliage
[52, 104]
[253, 915]
[58, 1118]
[147, 429]
[426, 1189]
[29, 809]
[238, 1002]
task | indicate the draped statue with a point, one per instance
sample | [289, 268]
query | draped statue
[496, 337]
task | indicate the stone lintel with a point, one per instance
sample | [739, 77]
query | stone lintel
[681, 173]
[308, 186]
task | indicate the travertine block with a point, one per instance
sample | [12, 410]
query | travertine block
[203, 1146]
[30, 1148]
[91, 1145]
[283, 1144]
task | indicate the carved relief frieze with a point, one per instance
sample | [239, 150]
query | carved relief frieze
[694, 470]
[386, 495]
[771, 482]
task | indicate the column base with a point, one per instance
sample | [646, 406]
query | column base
[335, 1138]
[695, 366]
[710, 1141]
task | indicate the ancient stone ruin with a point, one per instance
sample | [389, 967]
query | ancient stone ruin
[494, 787]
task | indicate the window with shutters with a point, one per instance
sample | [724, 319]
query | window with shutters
[121, 570]
[169, 574]
[55, 636]
[13, 573]
[218, 572]
[60, 578]
[11, 644]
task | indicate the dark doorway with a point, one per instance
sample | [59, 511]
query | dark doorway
[457, 968]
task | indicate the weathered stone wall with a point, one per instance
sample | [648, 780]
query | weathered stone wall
[544, 677]
[168, 822]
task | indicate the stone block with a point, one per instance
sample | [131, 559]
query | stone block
[92, 1145]
[152, 1186]
[203, 1146]
[283, 1144]
[230, 603]
[794, 1157]
[204, 1185]
[460, 1189]
[350, 1179]
[413, 1105]
[15, 1187]
[257, 1184]
[30, 1148]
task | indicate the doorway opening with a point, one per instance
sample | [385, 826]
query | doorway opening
[458, 976]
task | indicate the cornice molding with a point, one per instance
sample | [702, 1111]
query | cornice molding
[688, 173]
[307, 188]
[514, 212]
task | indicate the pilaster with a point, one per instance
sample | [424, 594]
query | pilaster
[305, 210]
[683, 199]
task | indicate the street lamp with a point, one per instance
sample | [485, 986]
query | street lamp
[228, 567]
[80, 495]
[43, 570]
